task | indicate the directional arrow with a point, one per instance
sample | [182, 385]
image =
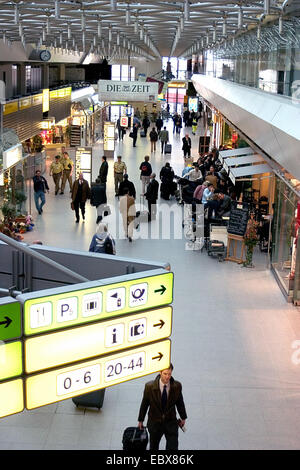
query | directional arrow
[7, 322]
[160, 324]
[160, 355]
[162, 290]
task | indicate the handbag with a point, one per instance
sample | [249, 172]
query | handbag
[106, 211]
[131, 135]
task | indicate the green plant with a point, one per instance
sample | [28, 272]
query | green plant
[20, 197]
[37, 144]
[250, 240]
[8, 211]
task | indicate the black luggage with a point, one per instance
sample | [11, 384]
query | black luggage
[216, 247]
[135, 439]
[168, 148]
[93, 399]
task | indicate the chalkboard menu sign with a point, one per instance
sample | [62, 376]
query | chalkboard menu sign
[238, 220]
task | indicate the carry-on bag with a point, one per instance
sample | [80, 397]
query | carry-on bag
[135, 439]
[168, 148]
[93, 399]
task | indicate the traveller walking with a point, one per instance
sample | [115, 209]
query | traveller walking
[186, 145]
[40, 186]
[56, 171]
[119, 169]
[153, 139]
[127, 185]
[164, 138]
[159, 124]
[98, 198]
[120, 129]
[128, 212]
[103, 171]
[67, 172]
[102, 241]
[134, 134]
[151, 195]
[146, 124]
[80, 193]
[178, 124]
[162, 397]
[146, 171]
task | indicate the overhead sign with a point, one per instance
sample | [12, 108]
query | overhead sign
[12, 156]
[10, 319]
[76, 344]
[63, 307]
[10, 360]
[60, 384]
[12, 400]
[112, 90]
[124, 121]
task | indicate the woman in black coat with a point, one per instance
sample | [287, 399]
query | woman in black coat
[167, 185]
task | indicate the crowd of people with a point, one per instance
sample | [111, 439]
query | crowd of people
[201, 182]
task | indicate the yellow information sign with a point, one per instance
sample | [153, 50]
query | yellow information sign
[60, 384]
[84, 342]
[10, 360]
[11, 394]
[74, 307]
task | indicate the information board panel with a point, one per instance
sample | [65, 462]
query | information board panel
[60, 384]
[84, 342]
[10, 319]
[12, 400]
[10, 360]
[73, 307]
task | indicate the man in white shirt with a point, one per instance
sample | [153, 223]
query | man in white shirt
[194, 174]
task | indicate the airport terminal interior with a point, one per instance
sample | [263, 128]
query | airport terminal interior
[76, 77]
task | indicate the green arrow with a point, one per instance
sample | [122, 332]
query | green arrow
[162, 290]
[7, 322]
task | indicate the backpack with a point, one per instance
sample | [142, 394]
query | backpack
[108, 246]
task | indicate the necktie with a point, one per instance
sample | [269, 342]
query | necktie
[164, 397]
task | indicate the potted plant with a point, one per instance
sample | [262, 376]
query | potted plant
[8, 211]
[250, 240]
[37, 144]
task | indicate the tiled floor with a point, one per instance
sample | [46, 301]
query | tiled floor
[231, 343]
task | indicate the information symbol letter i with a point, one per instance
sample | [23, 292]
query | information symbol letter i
[114, 336]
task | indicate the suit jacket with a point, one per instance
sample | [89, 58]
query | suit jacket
[86, 192]
[186, 143]
[103, 172]
[152, 400]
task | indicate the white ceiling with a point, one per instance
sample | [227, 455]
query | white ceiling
[154, 28]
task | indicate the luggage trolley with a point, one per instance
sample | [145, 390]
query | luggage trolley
[217, 242]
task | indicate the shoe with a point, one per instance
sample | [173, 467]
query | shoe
[39, 211]
[61, 192]
[77, 221]
[116, 195]
[129, 239]
[56, 193]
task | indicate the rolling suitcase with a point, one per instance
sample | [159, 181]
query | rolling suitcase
[168, 148]
[135, 439]
[90, 400]
[142, 133]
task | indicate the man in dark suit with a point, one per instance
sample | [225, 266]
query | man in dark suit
[162, 396]
[186, 145]
[151, 195]
[103, 170]
[98, 198]
[80, 193]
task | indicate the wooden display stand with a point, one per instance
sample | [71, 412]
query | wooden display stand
[233, 240]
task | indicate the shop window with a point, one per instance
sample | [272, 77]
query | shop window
[284, 236]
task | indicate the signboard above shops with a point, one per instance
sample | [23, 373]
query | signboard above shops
[12, 156]
[130, 91]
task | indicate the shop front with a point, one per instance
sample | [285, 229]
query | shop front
[285, 253]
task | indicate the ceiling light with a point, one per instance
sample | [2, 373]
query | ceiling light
[258, 33]
[267, 7]
[280, 25]
[110, 34]
[83, 22]
[57, 9]
[48, 26]
[69, 32]
[113, 5]
[17, 14]
[128, 15]
[240, 19]
[99, 28]
[186, 10]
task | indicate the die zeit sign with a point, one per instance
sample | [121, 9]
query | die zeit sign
[84, 342]
[63, 307]
[60, 384]
[111, 90]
